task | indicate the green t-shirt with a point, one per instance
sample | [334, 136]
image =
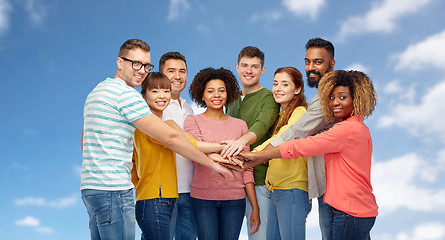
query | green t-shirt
[259, 110]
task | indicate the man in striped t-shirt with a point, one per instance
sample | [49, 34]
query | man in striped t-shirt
[112, 112]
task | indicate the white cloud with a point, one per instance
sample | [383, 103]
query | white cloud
[35, 223]
[63, 202]
[420, 116]
[36, 11]
[267, 16]
[38, 201]
[47, 230]
[203, 29]
[5, 8]
[406, 177]
[393, 87]
[33, 201]
[28, 221]
[425, 231]
[381, 18]
[423, 55]
[177, 9]
[358, 67]
[304, 7]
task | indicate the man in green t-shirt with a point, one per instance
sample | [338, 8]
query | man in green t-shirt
[257, 107]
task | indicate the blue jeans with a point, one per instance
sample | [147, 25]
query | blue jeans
[263, 198]
[111, 214]
[325, 218]
[347, 227]
[182, 225]
[287, 214]
[154, 216]
[218, 219]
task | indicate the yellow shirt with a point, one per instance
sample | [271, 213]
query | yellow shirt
[154, 168]
[286, 173]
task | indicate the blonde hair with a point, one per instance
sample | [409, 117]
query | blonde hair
[361, 89]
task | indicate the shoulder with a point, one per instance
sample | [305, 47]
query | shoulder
[352, 126]
[237, 121]
[188, 109]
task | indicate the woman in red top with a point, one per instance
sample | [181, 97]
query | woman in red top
[348, 96]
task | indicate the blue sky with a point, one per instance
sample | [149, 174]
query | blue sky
[52, 53]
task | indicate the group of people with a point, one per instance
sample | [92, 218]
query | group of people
[181, 165]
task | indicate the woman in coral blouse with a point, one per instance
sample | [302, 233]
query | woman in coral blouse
[348, 96]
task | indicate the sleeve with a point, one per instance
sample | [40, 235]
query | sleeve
[191, 126]
[248, 173]
[310, 123]
[134, 172]
[266, 117]
[167, 114]
[248, 176]
[132, 106]
[331, 141]
[296, 115]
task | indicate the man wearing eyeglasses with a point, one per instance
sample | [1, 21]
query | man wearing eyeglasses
[112, 112]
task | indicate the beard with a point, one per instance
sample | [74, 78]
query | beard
[313, 81]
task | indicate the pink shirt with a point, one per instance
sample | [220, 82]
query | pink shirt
[347, 149]
[206, 184]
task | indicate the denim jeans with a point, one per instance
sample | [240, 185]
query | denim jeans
[347, 227]
[111, 214]
[154, 216]
[182, 225]
[218, 219]
[287, 214]
[263, 198]
[325, 218]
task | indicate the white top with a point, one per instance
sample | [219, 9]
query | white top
[108, 135]
[184, 166]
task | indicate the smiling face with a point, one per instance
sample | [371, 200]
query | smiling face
[176, 71]
[317, 63]
[215, 94]
[341, 102]
[249, 71]
[125, 71]
[284, 89]
[157, 99]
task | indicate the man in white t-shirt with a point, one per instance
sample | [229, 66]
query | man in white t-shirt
[174, 66]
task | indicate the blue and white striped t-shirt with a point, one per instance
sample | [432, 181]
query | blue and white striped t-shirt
[108, 135]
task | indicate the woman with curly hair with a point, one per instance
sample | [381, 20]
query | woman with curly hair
[218, 205]
[348, 96]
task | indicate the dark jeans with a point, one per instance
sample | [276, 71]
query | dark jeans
[183, 224]
[154, 216]
[218, 219]
[347, 227]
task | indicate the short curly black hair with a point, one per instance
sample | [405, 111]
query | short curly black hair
[204, 76]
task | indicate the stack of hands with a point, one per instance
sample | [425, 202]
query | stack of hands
[234, 156]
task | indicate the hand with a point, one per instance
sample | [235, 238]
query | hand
[248, 156]
[233, 148]
[233, 167]
[255, 221]
[218, 168]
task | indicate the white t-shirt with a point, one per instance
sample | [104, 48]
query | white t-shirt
[184, 166]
